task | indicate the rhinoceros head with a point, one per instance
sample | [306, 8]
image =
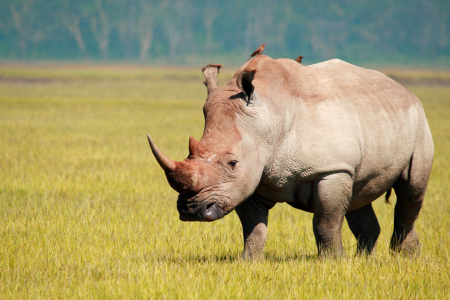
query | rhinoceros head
[224, 168]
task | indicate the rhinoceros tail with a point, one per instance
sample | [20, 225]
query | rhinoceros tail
[388, 194]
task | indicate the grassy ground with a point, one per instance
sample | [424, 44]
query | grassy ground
[86, 212]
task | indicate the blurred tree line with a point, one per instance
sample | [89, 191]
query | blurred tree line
[186, 31]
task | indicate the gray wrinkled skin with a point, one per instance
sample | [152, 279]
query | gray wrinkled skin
[328, 138]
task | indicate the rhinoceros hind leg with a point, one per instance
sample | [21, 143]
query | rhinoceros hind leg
[254, 214]
[409, 202]
[331, 197]
[404, 238]
[364, 224]
[410, 190]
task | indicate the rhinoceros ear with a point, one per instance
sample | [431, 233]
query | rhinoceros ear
[210, 72]
[244, 82]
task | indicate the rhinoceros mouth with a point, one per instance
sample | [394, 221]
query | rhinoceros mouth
[213, 212]
[207, 212]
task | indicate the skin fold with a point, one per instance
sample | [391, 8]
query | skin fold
[328, 138]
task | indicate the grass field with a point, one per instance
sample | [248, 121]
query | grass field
[86, 212]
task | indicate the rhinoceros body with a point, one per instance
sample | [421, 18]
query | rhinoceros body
[328, 138]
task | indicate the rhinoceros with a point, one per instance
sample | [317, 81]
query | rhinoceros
[327, 138]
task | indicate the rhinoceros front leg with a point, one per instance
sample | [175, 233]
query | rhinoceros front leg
[331, 196]
[254, 213]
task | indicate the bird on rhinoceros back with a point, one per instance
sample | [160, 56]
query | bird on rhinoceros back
[299, 59]
[257, 51]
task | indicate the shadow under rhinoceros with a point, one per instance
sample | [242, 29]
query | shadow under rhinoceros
[237, 257]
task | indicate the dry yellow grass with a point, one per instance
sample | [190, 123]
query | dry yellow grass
[86, 212]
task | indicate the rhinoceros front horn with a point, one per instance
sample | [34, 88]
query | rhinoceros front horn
[166, 163]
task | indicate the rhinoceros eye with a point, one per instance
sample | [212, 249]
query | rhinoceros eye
[232, 164]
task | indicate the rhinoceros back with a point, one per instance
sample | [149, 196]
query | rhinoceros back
[360, 121]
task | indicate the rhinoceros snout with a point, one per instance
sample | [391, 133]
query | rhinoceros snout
[206, 212]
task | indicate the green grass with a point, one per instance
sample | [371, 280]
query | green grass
[64, 72]
[419, 76]
[86, 212]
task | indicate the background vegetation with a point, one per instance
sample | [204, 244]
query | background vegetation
[403, 32]
[86, 212]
